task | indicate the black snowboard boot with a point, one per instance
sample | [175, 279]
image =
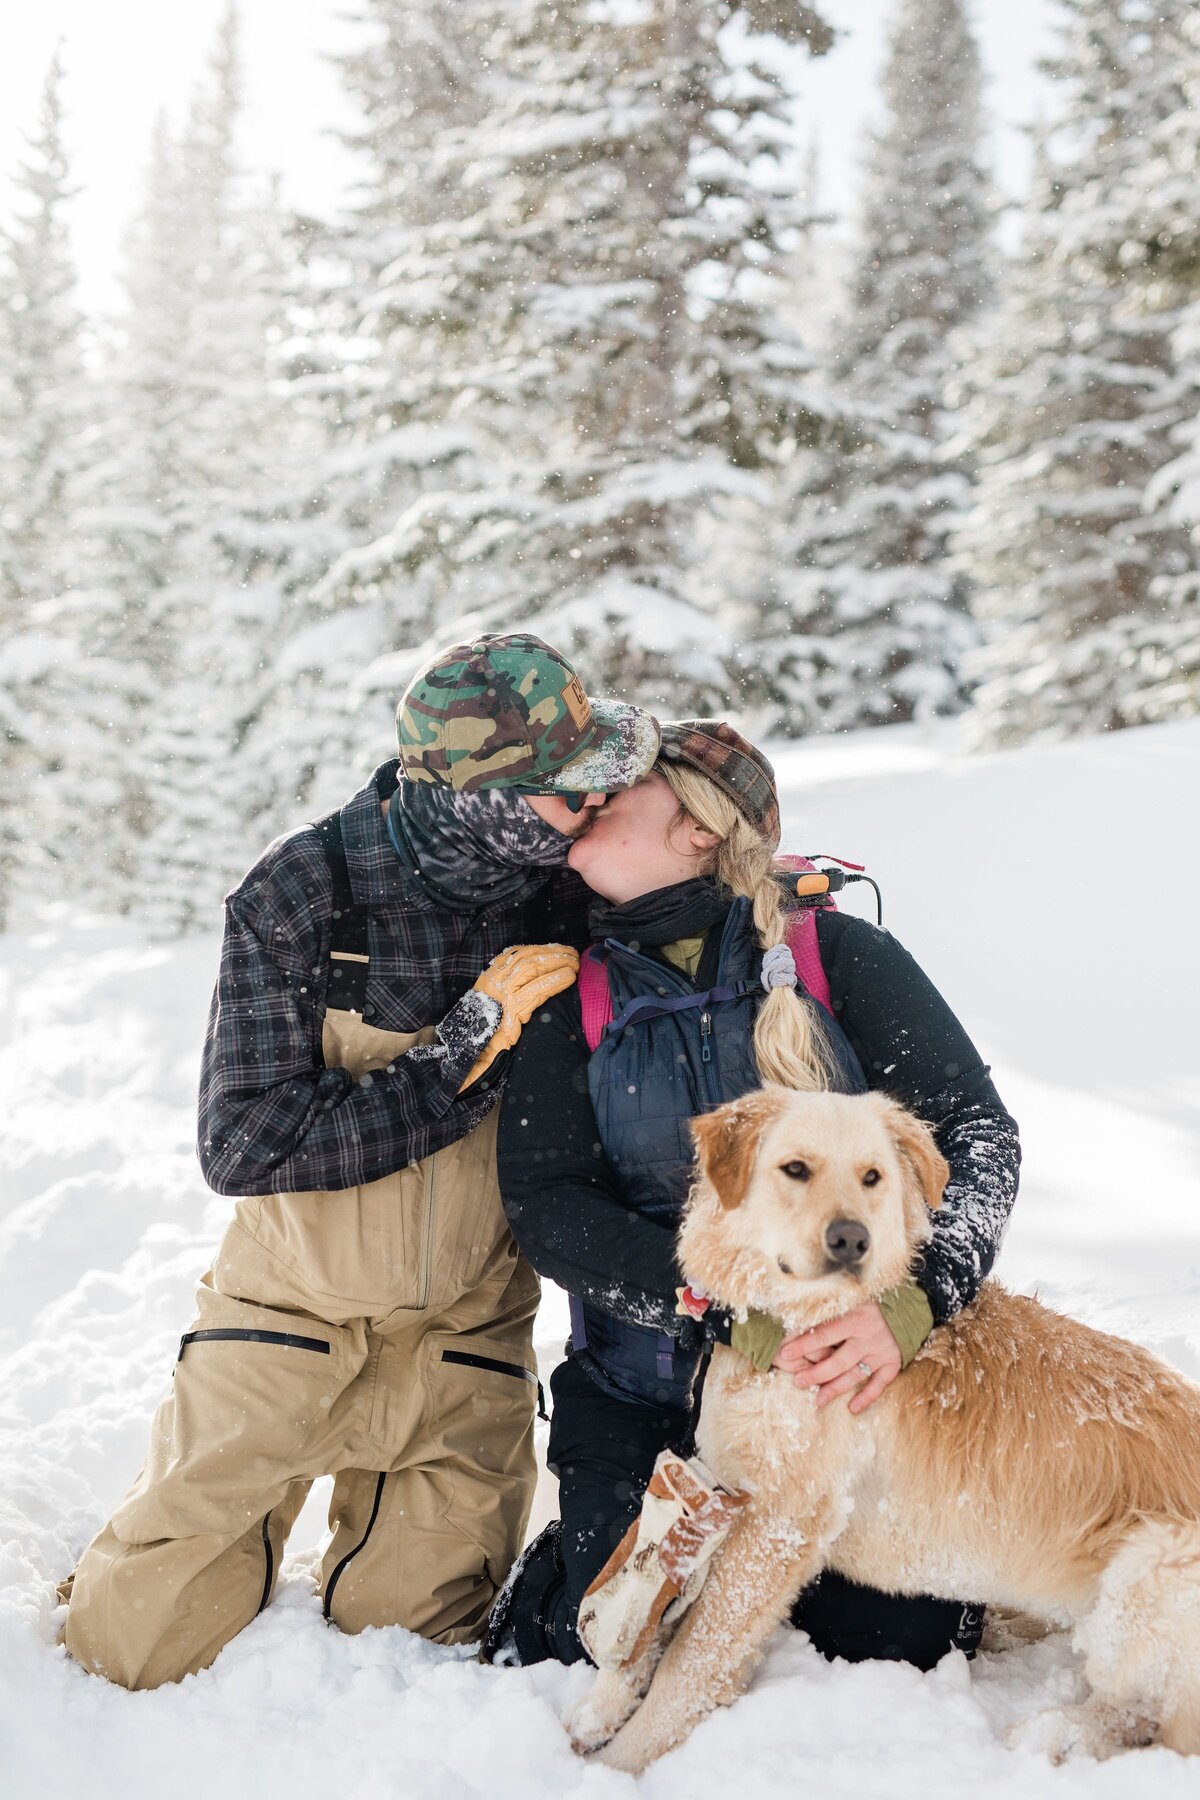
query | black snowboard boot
[516, 1631]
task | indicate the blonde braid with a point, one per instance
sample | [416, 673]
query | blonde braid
[789, 1045]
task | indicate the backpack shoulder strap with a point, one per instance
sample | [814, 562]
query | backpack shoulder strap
[349, 946]
[595, 995]
[802, 936]
[802, 942]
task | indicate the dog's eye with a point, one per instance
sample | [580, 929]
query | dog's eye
[797, 1171]
[871, 1177]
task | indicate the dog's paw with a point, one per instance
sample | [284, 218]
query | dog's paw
[587, 1733]
[1091, 1729]
[624, 1752]
[598, 1718]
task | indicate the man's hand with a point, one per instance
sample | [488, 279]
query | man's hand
[828, 1357]
[521, 979]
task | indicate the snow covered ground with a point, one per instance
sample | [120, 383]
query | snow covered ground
[1051, 893]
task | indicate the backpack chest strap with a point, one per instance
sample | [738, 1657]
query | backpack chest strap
[653, 1006]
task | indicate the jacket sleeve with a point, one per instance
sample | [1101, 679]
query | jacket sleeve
[273, 1118]
[560, 1194]
[913, 1048]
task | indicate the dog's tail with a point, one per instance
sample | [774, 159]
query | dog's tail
[1142, 1637]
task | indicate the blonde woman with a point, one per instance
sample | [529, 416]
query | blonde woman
[690, 936]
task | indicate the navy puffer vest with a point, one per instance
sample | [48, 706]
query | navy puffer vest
[669, 1054]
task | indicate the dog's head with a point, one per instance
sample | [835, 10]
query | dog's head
[806, 1205]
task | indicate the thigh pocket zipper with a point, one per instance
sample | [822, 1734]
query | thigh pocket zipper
[229, 1333]
[517, 1370]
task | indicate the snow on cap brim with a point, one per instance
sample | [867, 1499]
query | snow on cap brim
[627, 749]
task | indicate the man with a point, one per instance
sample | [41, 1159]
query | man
[367, 1314]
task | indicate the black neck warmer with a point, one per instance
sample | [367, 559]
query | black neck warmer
[684, 910]
[469, 851]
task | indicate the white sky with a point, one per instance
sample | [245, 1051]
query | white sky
[127, 59]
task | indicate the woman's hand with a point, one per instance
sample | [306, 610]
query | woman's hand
[827, 1358]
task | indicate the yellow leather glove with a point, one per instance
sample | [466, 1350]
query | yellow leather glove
[520, 979]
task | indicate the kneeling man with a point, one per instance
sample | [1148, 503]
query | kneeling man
[367, 1314]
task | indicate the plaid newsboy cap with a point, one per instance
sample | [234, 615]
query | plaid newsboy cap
[732, 763]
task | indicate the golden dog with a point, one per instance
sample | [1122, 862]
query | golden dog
[1022, 1459]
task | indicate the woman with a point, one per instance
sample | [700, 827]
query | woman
[595, 1157]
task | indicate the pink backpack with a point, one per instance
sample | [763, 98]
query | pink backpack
[595, 996]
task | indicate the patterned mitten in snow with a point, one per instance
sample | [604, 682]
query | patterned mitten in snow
[658, 1568]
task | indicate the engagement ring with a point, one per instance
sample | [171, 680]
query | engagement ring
[864, 1368]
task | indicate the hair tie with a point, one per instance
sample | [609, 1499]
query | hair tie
[778, 967]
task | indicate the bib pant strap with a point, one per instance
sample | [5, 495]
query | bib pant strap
[349, 932]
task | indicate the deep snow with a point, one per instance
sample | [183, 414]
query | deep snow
[1049, 892]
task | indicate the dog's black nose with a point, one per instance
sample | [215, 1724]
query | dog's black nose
[847, 1241]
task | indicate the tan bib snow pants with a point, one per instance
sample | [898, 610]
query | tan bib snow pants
[381, 1334]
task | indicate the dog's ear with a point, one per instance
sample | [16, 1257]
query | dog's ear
[918, 1151]
[727, 1143]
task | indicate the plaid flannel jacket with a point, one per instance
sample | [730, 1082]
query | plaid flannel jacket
[273, 1118]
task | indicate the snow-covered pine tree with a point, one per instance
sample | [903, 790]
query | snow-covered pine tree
[1165, 263]
[52, 669]
[127, 538]
[1074, 400]
[865, 619]
[43, 363]
[197, 468]
[374, 368]
[622, 357]
[216, 609]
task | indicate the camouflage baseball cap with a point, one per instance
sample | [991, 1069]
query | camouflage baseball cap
[511, 712]
[731, 763]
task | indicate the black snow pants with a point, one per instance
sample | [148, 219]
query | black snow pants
[603, 1451]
